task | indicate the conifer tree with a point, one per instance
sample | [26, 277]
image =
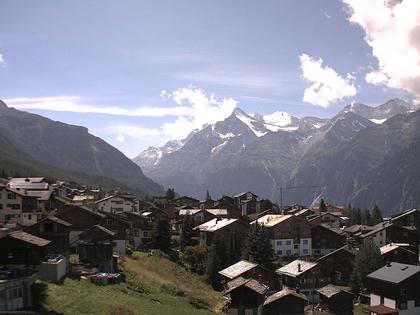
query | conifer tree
[258, 248]
[367, 260]
[187, 231]
[162, 234]
[216, 262]
[208, 197]
[376, 215]
[234, 249]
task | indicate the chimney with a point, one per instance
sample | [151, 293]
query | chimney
[299, 268]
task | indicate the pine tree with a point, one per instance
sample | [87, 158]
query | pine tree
[258, 248]
[376, 215]
[216, 262]
[322, 206]
[187, 231]
[368, 259]
[170, 194]
[208, 197]
[162, 234]
[366, 218]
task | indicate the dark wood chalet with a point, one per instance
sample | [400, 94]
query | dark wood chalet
[55, 230]
[285, 302]
[247, 269]
[337, 266]
[21, 248]
[398, 253]
[326, 239]
[336, 301]
[246, 296]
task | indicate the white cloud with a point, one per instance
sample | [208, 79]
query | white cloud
[392, 30]
[78, 104]
[206, 109]
[328, 86]
[120, 138]
[2, 62]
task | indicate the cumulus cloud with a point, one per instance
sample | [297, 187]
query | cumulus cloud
[2, 62]
[120, 138]
[328, 86]
[205, 109]
[392, 30]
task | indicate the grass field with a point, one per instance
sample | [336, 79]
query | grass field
[154, 285]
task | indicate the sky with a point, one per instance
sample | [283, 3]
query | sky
[140, 73]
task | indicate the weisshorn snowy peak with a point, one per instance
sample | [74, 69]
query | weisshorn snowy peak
[307, 157]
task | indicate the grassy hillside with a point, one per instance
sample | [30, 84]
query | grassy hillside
[154, 285]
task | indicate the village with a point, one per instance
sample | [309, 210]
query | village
[262, 258]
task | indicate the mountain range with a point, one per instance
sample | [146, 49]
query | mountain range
[34, 145]
[363, 155]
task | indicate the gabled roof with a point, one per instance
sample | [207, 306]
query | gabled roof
[251, 284]
[330, 290]
[283, 293]
[270, 220]
[40, 194]
[403, 214]
[189, 211]
[56, 220]
[381, 310]
[329, 228]
[215, 224]
[346, 248]
[394, 272]
[29, 238]
[128, 198]
[217, 212]
[237, 269]
[377, 228]
[296, 268]
[244, 193]
[100, 228]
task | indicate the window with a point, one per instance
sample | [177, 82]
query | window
[1, 206]
[279, 252]
[288, 252]
[13, 206]
[305, 251]
[29, 216]
[11, 196]
[288, 243]
[296, 246]
[136, 233]
[279, 243]
[305, 242]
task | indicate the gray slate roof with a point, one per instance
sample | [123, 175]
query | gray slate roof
[394, 273]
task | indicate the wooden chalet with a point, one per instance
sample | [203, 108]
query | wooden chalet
[285, 302]
[326, 239]
[222, 229]
[96, 247]
[246, 296]
[247, 270]
[336, 301]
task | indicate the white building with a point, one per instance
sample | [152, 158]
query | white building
[117, 203]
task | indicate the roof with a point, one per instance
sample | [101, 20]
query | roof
[244, 193]
[237, 269]
[215, 224]
[296, 268]
[40, 194]
[394, 272]
[129, 198]
[252, 284]
[83, 197]
[377, 228]
[330, 290]
[402, 214]
[29, 238]
[300, 212]
[189, 211]
[353, 228]
[26, 179]
[381, 310]
[217, 212]
[390, 247]
[57, 220]
[102, 229]
[270, 220]
[283, 293]
[346, 248]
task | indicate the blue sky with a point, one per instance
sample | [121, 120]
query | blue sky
[104, 64]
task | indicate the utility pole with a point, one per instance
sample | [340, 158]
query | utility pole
[294, 187]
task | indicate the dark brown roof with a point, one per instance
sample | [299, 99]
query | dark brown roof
[29, 238]
[101, 228]
[252, 284]
[283, 293]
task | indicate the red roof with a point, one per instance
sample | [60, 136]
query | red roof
[381, 310]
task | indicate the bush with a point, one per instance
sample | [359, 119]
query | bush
[172, 289]
[195, 257]
[198, 303]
